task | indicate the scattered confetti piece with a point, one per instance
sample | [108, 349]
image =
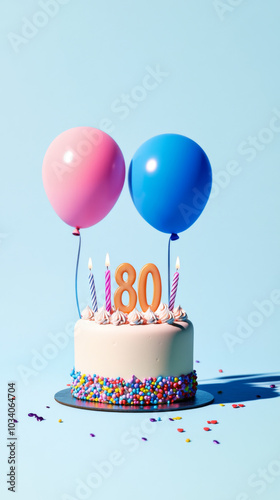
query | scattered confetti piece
[213, 422]
[221, 371]
[68, 385]
[39, 419]
[16, 421]
[220, 392]
[221, 404]
[171, 419]
[144, 439]
[177, 418]
[60, 420]
[272, 386]
[235, 406]
[208, 421]
[206, 429]
[153, 420]
[241, 406]
[180, 430]
[197, 361]
[47, 406]
[159, 419]
[92, 435]
[215, 441]
[188, 440]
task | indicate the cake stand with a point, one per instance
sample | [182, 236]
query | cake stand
[201, 398]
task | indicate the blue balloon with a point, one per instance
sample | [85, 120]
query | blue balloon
[170, 181]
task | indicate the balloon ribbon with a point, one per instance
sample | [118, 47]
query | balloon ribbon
[173, 237]
[76, 276]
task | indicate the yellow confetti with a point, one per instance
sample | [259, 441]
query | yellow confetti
[221, 404]
[60, 420]
[188, 440]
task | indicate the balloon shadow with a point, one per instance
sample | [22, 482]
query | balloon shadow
[238, 388]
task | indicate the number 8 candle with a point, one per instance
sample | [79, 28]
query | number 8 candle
[174, 286]
[108, 284]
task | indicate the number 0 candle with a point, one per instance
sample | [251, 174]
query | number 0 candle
[92, 287]
[174, 286]
[108, 284]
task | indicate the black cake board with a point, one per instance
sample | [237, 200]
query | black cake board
[201, 398]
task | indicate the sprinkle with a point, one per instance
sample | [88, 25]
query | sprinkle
[235, 406]
[221, 404]
[215, 441]
[144, 439]
[206, 429]
[152, 420]
[188, 440]
[208, 421]
[180, 430]
[60, 420]
[272, 386]
[171, 419]
[220, 392]
[221, 371]
[177, 418]
[47, 406]
[213, 422]
[16, 421]
[241, 406]
[92, 435]
[159, 419]
[31, 414]
[68, 385]
[197, 361]
[39, 419]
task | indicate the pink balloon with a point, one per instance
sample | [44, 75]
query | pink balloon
[83, 175]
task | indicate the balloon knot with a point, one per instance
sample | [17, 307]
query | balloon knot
[76, 232]
[174, 237]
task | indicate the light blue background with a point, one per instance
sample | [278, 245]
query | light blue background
[220, 86]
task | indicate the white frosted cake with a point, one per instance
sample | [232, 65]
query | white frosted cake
[139, 358]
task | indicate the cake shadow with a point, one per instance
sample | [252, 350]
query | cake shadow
[240, 388]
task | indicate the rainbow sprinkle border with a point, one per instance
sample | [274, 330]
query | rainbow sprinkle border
[150, 391]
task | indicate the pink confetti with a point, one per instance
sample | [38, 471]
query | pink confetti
[272, 386]
[152, 420]
[221, 371]
[144, 439]
[92, 435]
[215, 441]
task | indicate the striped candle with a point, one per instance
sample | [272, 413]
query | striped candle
[174, 286]
[92, 287]
[108, 284]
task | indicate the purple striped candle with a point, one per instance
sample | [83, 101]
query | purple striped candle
[108, 284]
[174, 286]
[92, 287]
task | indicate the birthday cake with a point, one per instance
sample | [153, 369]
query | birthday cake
[134, 359]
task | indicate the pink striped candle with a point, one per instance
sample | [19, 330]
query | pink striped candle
[174, 286]
[108, 284]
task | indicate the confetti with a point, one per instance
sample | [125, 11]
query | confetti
[60, 420]
[177, 418]
[272, 386]
[159, 419]
[220, 392]
[241, 406]
[208, 421]
[144, 439]
[39, 419]
[92, 435]
[153, 420]
[206, 429]
[180, 430]
[221, 404]
[215, 441]
[188, 440]
[16, 421]
[221, 371]
[47, 406]
[197, 361]
[213, 422]
[171, 419]
[258, 396]
[235, 406]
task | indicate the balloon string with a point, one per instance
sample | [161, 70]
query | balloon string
[173, 237]
[76, 277]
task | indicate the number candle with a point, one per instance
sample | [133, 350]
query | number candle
[174, 286]
[92, 287]
[125, 286]
[142, 287]
[108, 284]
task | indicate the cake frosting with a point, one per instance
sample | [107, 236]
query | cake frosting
[136, 358]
